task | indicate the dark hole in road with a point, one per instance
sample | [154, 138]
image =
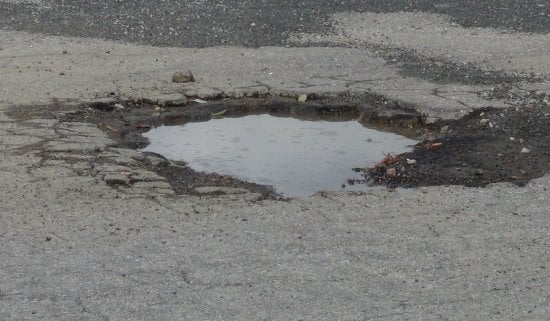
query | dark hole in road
[484, 147]
[297, 157]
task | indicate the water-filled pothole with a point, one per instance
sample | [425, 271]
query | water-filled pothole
[297, 157]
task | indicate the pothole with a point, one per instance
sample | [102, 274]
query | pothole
[487, 146]
[297, 157]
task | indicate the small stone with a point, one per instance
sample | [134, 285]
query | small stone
[119, 106]
[512, 139]
[155, 160]
[183, 77]
[482, 114]
[166, 100]
[411, 161]
[172, 100]
[525, 150]
[48, 238]
[391, 172]
[444, 129]
[116, 179]
[431, 120]
[491, 125]
[302, 98]
[484, 122]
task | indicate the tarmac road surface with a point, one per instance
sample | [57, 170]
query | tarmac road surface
[72, 247]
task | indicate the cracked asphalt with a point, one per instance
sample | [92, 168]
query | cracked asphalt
[89, 232]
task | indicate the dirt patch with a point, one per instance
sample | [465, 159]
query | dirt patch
[488, 146]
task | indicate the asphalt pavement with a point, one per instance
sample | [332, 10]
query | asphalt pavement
[248, 23]
[75, 247]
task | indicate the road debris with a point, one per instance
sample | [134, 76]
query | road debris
[143, 127]
[389, 159]
[432, 145]
[219, 114]
[183, 77]
[391, 172]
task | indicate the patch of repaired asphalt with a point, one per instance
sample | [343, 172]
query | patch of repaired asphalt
[439, 70]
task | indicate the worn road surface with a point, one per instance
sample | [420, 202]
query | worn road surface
[72, 247]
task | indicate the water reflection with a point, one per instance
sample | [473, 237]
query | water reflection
[298, 157]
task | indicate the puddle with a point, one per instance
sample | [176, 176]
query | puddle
[297, 157]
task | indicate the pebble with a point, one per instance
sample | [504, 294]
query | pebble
[116, 179]
[166, 100]
[444, 129]
[119, 106]
[302, 98]
[183, 77]
[524, 150]
[431, 120]
[411, 161]
[484, 121]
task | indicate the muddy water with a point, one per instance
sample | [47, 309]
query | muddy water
[297, 157]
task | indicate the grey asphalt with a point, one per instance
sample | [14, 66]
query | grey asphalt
[244, 23]
[73, 247]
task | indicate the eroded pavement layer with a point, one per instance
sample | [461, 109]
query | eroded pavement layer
[90, 233]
